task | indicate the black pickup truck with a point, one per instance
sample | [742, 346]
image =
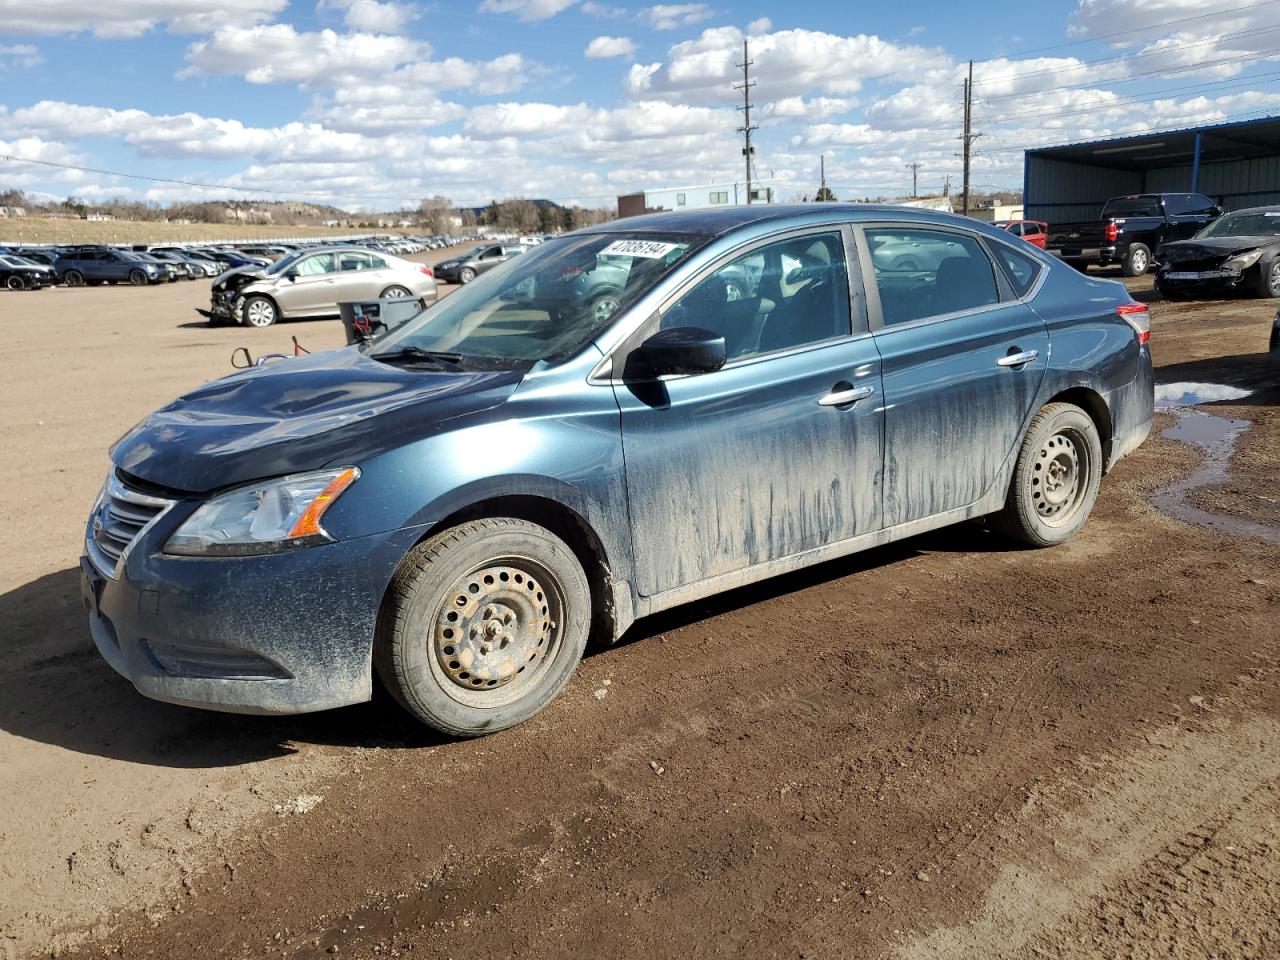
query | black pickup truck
[1131, 230]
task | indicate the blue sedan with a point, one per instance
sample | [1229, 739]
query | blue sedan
[460, 505]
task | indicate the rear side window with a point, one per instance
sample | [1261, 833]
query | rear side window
[1018, 267]
[1132, 207]
[929, 273]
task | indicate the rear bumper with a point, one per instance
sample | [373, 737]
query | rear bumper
[287, 633]
[1132, 409]
[1091, 254]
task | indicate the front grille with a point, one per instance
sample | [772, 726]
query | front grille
[1194, 265]
[120, 516]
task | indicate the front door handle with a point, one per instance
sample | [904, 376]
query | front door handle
[839, 398]
[1018, 359]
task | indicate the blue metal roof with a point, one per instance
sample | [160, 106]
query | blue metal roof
[1218, 141]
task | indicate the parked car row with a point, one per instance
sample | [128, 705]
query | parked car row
[76, 265]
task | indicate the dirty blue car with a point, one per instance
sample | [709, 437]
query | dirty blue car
[458, 507]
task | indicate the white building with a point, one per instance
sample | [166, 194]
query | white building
[696, 197]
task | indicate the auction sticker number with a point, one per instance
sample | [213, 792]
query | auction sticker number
[647, 249]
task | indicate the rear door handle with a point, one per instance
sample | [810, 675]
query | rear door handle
[1018, 359]
[839, 398]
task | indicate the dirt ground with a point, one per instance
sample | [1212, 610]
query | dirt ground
[943, 748]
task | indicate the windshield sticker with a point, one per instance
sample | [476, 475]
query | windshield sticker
[648, 249]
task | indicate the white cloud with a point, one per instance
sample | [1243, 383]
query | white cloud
[372, 16]
[602, 48]
[277, 53]
[131, 18]
[19, 55]
[762, 25]
[527, 10]
[669, 16]
[798, 108]
[601, 10]
[787, 63]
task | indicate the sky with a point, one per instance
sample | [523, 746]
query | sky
[376, 104]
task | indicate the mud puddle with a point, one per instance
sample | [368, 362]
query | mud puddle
[1215, 437]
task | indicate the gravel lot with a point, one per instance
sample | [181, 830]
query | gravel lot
[943, 748]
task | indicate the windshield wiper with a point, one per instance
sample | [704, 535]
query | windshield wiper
[445, 361]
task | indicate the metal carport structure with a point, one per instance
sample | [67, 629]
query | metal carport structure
[1237, 164]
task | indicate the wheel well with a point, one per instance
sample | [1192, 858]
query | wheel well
[570, 527]
[1091, 402]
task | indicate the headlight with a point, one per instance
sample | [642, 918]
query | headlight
[1243, 261]
[266, 517]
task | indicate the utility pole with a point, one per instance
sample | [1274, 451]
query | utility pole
[915, 171]
[969, 135]
[822, 173]
[746, 128]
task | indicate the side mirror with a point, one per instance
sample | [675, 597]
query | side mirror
[290, 276]
[1215, 211]
[681, 350]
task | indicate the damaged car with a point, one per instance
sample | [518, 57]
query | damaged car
[1239, 252]
[456, 507]
[311, 283]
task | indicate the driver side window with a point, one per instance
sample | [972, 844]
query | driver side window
[777, 297]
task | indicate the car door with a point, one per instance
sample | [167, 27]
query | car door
[778, 452]
[963, 359]
[308, 287]
[489, 259]
[354, 277]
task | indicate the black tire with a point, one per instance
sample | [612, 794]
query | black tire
[259, 311]
[73, 278]
[15, 282]
[466, 275]
[1137, 260]
[1269, 279]
[437, 623]
[138, 278]
[603, 306]
[1061, 446]
[395, 292]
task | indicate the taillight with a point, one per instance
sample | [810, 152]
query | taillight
[1137, 316]
[1112, 232]
[428, 271]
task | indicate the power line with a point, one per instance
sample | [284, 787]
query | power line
[1122, 33]
[1179, 45]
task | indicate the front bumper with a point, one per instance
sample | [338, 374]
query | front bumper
[286, 633]
[1172, 278]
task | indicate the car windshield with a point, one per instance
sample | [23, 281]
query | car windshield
[1264, 224]
[546, 304]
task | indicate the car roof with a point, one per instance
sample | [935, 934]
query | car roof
[724, 220]
[1255, 210]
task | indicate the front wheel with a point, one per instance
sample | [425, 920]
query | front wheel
[1055, 480]
[15, 282]
[467, 275]
[1137, 261]
[483, 626]
[259, 312]
[1269, 279]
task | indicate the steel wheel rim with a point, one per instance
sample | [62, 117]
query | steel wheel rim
[259, 314]
[497, 632]
[1059, 479]
[604, 308]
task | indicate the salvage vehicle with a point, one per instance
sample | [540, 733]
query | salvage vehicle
[94, 265]
[1033, 231]
[19, 273]
[1132, 231]
[460, 504]
[1241, 251]
[482, 259]
[311, 283]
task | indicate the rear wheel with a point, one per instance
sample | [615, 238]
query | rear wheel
[1055, 480]
[1137, 261]
[259, 312]
[138, 278]
[73, 278]
[483, 626]
[1269, 279]
[15, 282]
[394, 292]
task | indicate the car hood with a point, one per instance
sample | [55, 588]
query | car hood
[304, 413]
[1213, 247]
[241, 275]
